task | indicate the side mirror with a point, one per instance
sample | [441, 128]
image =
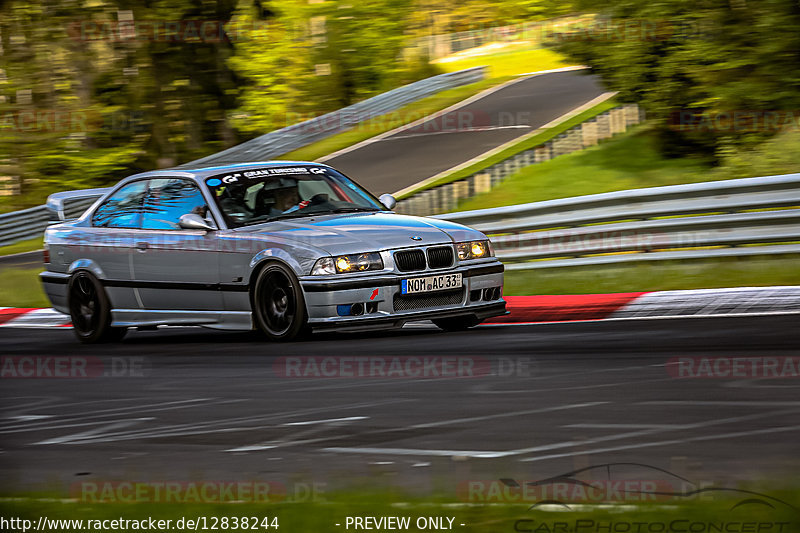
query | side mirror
[388, 200]
[194, 221]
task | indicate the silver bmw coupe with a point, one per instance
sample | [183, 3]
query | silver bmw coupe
[283, 247]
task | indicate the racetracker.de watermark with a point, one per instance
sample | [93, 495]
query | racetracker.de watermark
[200, 491]
[72, 367]
[724, 367]
[31, 121]
[585, 491]
[169, 31]
[402, 367]
[735, 121]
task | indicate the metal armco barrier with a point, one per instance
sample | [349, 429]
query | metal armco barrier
[759, 216]
[31, 223]
[751, 216]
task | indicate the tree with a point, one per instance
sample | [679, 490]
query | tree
[687, 60]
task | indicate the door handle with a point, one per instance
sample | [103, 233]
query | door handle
[141, 246]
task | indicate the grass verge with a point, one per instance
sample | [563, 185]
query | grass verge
[628, 161]
[632, 160]
[701, 514]
[511, 61]
[22, 288]
[753, 271]
[29, 245]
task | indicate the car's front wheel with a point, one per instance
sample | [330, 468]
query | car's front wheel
[90, 310]
[457, 323]
[279, 308]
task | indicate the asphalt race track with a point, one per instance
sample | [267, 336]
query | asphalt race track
[521, 402]
[412, 155]
[529, 401]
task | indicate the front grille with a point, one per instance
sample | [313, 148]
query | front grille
[440, 256]
[410, 260]
[410, 302]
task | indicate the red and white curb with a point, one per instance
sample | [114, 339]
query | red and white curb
[33, 318]
[741, 301]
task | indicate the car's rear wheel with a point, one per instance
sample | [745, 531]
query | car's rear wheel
[90, 310]
[457, 323]
[278, 305]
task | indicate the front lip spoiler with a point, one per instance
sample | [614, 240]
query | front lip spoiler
[381, 322]
[394, 280]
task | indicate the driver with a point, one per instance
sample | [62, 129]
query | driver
[277, 196]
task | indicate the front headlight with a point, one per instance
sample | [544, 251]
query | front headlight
[344, 264]
[473, 250]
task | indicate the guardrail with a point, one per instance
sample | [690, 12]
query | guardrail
[22, 225]
[31, 223]
[298, 135]
[751, 216]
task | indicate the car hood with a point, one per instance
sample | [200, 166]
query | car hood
[365, 232]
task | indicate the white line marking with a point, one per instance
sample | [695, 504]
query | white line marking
[459, 130]
[293, 440]
[494, 454]
[60, 422]
[29, 418]
[326, 421]
[665, 443]
[226, 425]
[735, 403]
[506, 415]
[77, 437]
[622, 426]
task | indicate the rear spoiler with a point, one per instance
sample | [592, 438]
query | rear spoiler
[69, 205]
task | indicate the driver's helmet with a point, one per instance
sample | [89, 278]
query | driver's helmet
[267, 196]
[279, 183]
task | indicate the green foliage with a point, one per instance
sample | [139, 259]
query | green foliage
[21, 288]
[83, 101]
[707, 57]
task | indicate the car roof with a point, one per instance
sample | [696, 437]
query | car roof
[204, 172]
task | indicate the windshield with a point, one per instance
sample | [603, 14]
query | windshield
[273, 193]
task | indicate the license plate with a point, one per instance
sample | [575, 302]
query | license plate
[441, 282]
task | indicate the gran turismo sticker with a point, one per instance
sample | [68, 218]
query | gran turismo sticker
[275, 171]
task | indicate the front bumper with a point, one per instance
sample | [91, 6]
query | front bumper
[380, 294]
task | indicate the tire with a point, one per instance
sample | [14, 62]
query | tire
[90, 310]
[457, 323]
[279, 308]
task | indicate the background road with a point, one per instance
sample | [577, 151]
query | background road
[414, 154]
[215, 406]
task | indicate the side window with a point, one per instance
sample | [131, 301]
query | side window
[123, 208]
[168, 199]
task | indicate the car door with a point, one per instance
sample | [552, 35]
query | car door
[108, 243]
[175, 268]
